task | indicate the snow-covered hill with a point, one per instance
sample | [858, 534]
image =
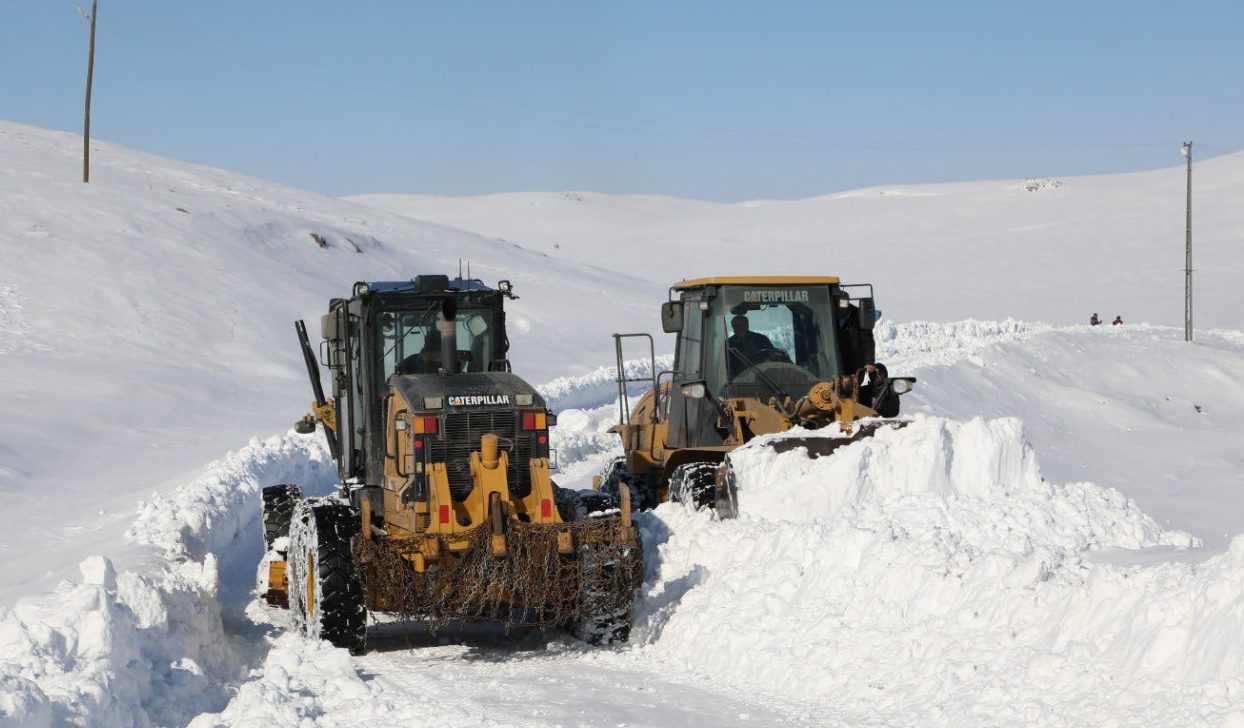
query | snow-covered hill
[1038, 250]
[146, 325]
[1052, 541]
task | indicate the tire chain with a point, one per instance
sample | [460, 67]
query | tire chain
[554, 590]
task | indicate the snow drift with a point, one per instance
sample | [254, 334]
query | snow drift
[150, 647]
[930, 576]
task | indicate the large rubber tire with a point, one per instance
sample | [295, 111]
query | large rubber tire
[693, 484]
[326, 594]
[278, 509]
[567, 502]
[607, 614]
[616, 476]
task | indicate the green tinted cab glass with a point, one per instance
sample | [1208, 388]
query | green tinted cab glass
[412, 339]
[766, 341]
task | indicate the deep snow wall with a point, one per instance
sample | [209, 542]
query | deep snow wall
[931, 576]
[150, 648]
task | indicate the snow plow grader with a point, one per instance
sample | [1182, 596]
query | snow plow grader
[753, 356]
[446, 511]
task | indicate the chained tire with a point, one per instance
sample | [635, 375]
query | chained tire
[608, 595]
[694, 484]
[278, 509]
[615, 476]
[608, 581]
[326, 596]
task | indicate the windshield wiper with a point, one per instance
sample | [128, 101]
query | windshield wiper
[761, 375]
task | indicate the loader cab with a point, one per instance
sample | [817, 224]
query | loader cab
[757, 338]
[393, 328]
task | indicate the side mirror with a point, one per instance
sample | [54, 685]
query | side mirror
[671, 317]
[476, 325]
[868, 313]
[328, 326]
[902, 385]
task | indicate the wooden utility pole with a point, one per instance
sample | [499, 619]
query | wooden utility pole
[1187, 150]
[90, 74]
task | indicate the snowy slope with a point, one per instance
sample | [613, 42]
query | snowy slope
[935, 575]
[1051, 542]
[1134, 409]
[1111, 244]
[146, 325]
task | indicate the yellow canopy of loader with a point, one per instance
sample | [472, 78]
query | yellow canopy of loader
[756, 281]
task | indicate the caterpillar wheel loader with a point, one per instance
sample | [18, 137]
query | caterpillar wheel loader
[752, 356]
[446, 509]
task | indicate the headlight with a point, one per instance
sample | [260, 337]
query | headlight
[695, 390]
[902, 385]
[433, 402]
[523, 400]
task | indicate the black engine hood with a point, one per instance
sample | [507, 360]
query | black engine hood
[466, 391]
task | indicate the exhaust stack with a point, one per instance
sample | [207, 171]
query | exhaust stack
[449, 336]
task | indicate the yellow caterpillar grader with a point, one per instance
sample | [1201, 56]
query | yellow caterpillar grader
[753, 356]
[446, 511]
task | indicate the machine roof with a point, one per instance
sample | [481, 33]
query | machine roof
[410, 286]
[757, 281]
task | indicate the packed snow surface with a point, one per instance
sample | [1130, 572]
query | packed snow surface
[1052, 539]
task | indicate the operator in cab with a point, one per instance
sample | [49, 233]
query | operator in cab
[745, 345]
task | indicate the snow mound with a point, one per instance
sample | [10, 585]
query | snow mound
[929, 576]
[151, 648]
[976, 481]
[301, 683]
[923, 343]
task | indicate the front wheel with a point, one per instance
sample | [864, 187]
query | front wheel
[608, 584]
[693, 484]
[278, 508]
[326, 595]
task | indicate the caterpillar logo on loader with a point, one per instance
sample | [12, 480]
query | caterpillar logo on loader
[753, 356]
[446, 510]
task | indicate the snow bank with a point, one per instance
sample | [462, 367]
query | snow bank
[929, 576]
[922, 343]
[301, 680]
[143, 649]
[600, 385]
[977, 480]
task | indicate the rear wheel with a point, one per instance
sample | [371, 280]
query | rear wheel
[326, 594]
[278, 508]
[609, 584]
[693, 483]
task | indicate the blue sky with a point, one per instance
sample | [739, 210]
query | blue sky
[715, 100]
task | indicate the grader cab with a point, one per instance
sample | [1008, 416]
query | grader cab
[753, 356]
[447, 510]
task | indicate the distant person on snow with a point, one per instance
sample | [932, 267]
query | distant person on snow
[1095, 321]
[1118, 321]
